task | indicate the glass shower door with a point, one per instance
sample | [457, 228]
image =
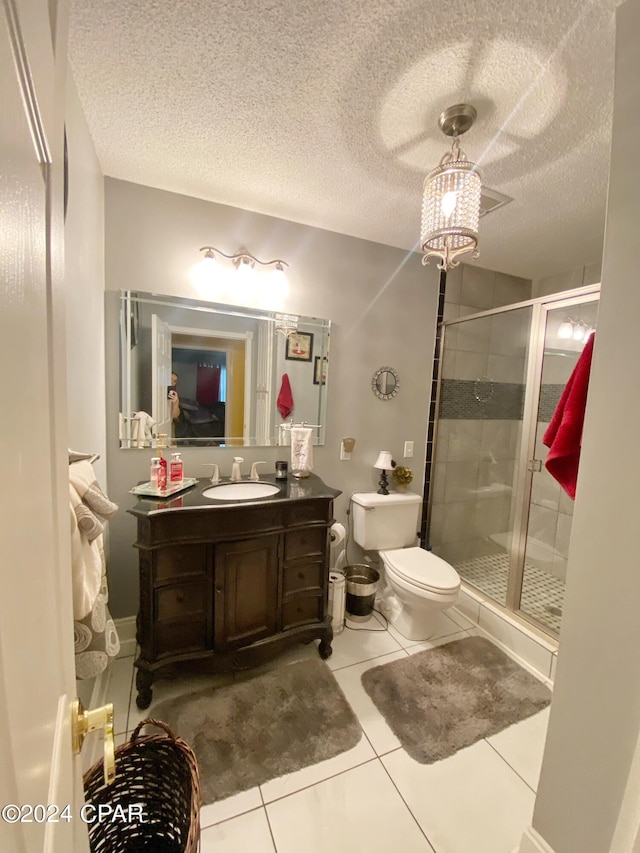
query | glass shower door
[565, 328]
[479, 434]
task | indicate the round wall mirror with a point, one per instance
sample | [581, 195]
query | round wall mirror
[385, 383]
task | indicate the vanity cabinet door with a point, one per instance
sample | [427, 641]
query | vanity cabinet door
[245, 591]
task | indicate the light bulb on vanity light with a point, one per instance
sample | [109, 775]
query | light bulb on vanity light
[579, 331]
[276, 286]
[245, 278]
[565, 330]
[208, 275]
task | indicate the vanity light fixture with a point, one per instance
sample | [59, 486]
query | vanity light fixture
[384, 463]
[574, 330]
[451, 198]
[271, 287]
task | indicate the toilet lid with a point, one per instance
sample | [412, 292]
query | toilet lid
[422, 568]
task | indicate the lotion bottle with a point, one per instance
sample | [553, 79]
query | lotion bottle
[176, 469]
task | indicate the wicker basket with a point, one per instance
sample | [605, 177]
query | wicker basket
[158, 774]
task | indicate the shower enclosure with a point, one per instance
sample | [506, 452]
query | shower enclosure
[495, 513]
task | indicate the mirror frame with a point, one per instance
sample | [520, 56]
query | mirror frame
[374, 383]
[265, 359]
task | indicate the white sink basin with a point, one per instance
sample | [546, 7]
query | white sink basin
[244, 491]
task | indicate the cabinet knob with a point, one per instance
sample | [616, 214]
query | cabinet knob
[218, 589]
[180, 597]
[301, 576]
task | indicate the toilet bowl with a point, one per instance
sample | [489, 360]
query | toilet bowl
[416, 585]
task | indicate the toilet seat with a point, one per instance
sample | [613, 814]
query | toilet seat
[422, 569]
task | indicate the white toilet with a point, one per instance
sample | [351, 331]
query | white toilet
[415, 584]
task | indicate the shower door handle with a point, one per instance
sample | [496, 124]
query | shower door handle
[534, 465]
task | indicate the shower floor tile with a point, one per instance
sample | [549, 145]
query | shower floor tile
[542, 593]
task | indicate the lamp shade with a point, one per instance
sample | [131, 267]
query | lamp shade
[384, 461]
[451, 210]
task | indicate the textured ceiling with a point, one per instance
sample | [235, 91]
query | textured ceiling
[326, 112]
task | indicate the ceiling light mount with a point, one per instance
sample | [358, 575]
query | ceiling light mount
[456, 120]
[451, 199]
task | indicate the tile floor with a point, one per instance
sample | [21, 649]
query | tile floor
[373, 798]
[542, 593]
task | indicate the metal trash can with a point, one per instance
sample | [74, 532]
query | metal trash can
[335, 605]
[362, 582]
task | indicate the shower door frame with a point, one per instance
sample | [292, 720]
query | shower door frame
[540, 306]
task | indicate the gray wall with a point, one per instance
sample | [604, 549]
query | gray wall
[84, 285]
[382, 303]
[591, 754]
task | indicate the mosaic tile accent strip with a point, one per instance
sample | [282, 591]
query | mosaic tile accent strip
[481, 399]
[432, 409]
[549, 399]
[542, 593]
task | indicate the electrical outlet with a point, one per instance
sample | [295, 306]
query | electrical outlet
[408, 449]
[344, 456]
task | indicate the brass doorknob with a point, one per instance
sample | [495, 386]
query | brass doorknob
[83, 722]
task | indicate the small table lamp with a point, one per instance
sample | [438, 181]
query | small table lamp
[384, 463]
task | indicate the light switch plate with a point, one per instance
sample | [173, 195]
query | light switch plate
[408, 449]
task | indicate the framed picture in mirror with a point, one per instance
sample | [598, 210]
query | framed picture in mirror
[319, 371]
[299, 347]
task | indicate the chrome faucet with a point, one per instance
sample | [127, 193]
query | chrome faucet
[236, 476]
[254, 470]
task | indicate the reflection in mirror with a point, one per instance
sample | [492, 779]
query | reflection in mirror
[207, 374]
[385, 383]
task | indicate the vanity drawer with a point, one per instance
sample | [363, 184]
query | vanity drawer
[181, 601]
[180, 637]
[178, 560]
[300, 611]
[303, 576]
[308, 512]
[310, 542]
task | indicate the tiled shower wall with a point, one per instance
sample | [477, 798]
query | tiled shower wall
[567, 280]
[479, 422]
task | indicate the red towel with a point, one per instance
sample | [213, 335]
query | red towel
[564, 434]
[285, 397]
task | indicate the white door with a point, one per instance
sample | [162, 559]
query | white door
[37, 679]
[161, 372]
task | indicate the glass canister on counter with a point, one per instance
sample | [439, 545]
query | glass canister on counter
[153, 472]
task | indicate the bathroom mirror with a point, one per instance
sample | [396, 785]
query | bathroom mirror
[224, 366]
[385, 383]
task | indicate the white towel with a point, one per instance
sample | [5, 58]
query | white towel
[86, 563]
[301, 448]
[142, 429]
[83, 478]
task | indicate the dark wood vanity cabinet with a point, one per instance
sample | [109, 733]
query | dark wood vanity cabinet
[227, 587]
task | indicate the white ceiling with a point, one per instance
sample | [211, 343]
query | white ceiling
[326, 112]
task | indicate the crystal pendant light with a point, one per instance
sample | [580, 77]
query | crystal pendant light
[451, 200]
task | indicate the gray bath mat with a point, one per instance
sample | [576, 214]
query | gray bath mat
[443, 699]
[251, 731]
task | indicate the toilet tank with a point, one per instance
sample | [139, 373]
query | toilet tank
[383, 522]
